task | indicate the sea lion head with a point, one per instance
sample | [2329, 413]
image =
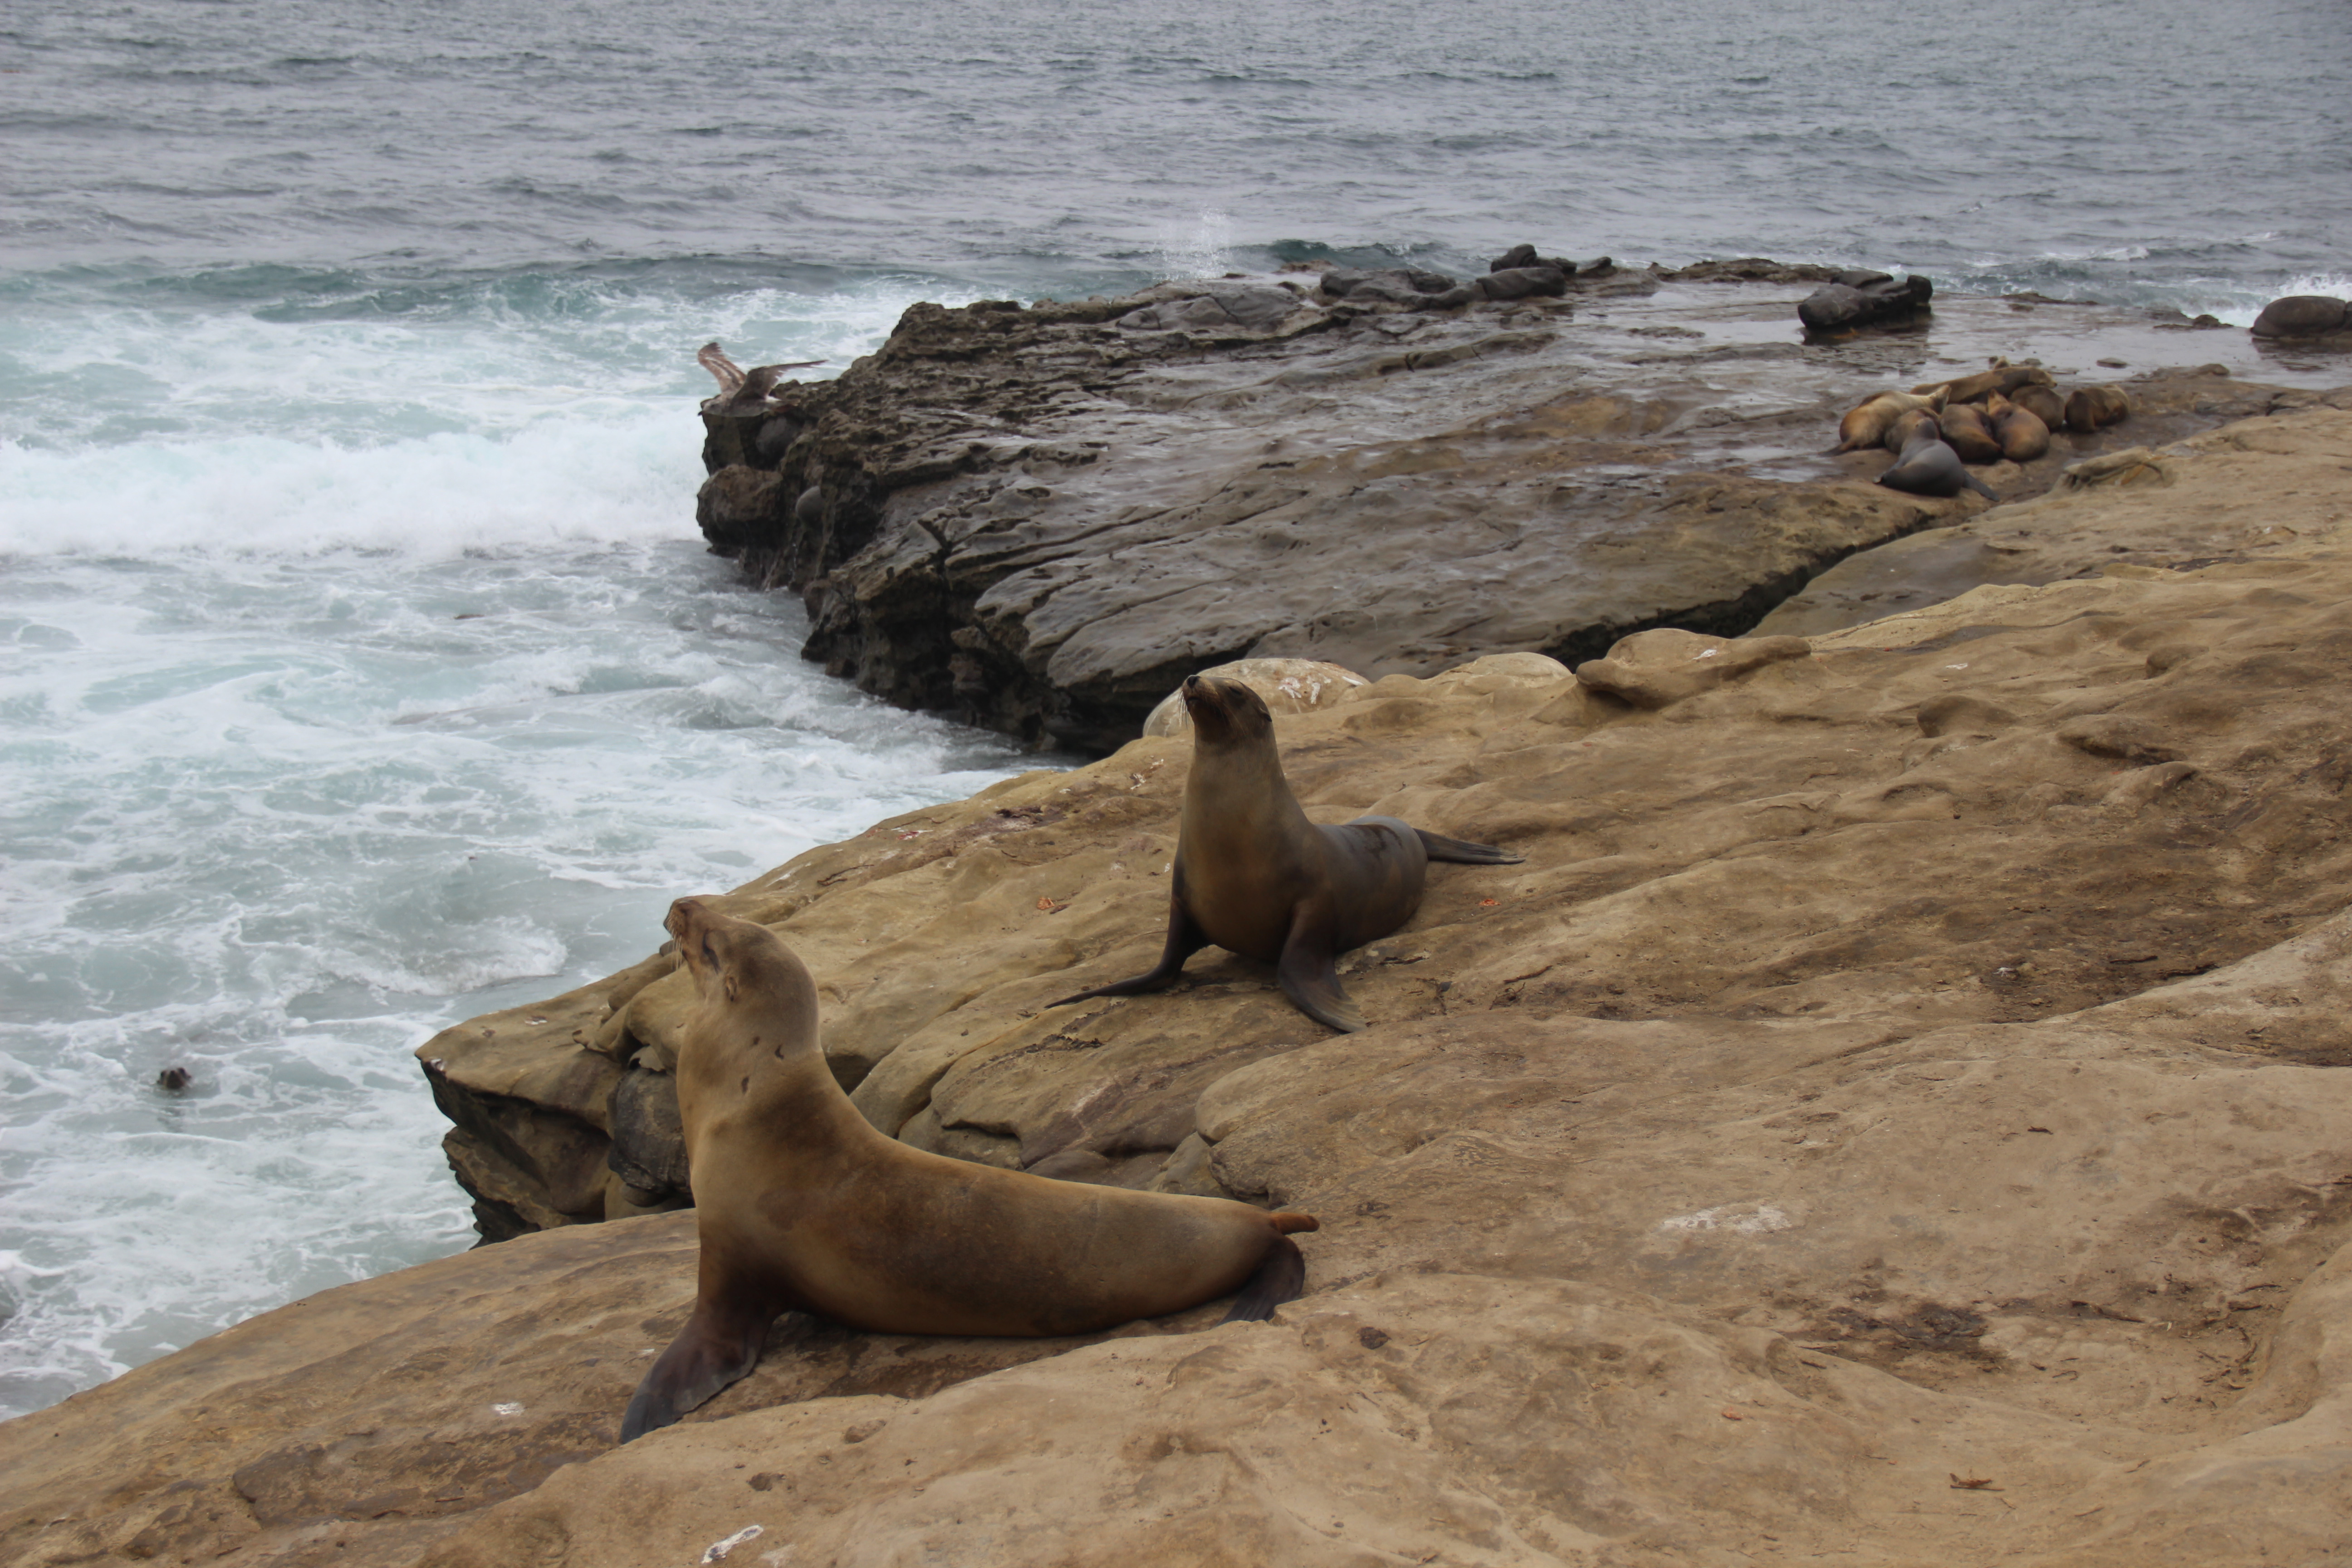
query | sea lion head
[727, 956]
[1227, 713]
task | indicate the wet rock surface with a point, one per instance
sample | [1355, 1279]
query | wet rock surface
[1042, 519]
[1896, 1111]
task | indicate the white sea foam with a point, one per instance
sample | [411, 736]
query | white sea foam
[336, 712]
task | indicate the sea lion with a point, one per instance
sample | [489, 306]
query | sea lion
[1906, 427]
[1253, 876]
[1865, 424]
[2021, 434]
[2090, 408]
[800, 1202]
[1968, 432]
[2002, 377]
[2044, 404]
[1930, 467]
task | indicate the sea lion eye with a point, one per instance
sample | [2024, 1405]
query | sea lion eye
[710, 955]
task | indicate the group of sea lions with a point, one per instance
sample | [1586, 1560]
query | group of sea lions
[2007, 412]
[800, 1204]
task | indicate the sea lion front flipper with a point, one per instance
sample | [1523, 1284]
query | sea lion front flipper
[1281, 1277]
[1437, 846]
[1185, 938]
[719, 1344]
[1307, 974]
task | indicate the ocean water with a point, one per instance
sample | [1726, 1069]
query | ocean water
[359, 668]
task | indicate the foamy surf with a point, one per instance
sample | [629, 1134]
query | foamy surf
[326, 721]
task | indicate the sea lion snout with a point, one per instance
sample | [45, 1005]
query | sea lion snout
[1225, 709]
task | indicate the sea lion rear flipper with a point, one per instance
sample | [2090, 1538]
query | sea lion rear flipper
[1308, 976]
[1185, 938]
[1981, 488]
[1281, 1277]
[719, 1344]
[1440, 847]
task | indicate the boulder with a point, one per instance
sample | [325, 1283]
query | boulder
[1863, 300]
[2304, 316]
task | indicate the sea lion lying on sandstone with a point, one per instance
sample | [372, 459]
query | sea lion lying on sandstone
[2003, 377]
[2091, 409]
[800, 1204]
[2021, 434]
[1930, 467]
[1866, 422]
[1968, 432]
[1253, 876]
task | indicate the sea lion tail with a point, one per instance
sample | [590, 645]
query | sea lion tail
[1440, 847]
[1281, 1277]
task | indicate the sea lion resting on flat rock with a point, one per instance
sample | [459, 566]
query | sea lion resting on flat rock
[1968, 432]
[2023, 434]
[1929, 467]
[800, 1202]
[2091, 409]
[1253, 876]
[1866, 423]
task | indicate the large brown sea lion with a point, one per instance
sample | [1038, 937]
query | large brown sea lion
[1865, 424]
[1253, 876]
[1930, 467]
[2044, 402]
[1968, 432]
[800, 1202]
[2090, 408]
[2021, 434]
[2003, 377]
[1906, 427]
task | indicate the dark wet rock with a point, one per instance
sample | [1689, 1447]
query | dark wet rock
[1862, 299]
[2304, 316]
[1522, 282]
[1396, 285]
[1042, 520]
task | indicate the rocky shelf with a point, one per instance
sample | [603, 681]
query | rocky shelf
[1042, 519]
[1898, 1106]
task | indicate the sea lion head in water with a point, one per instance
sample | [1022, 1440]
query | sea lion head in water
[1254, 877]
[800, 1204]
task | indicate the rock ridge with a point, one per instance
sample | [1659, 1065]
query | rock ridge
[1041, 519]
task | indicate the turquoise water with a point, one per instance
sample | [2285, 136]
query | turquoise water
[360, 670]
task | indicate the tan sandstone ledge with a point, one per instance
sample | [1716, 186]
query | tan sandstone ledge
[1895, 1113]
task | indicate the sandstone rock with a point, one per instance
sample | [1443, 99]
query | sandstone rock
[1288, 686]
[1658, 669]
[2304, 316]
[2130, 515]
[1897, 1107]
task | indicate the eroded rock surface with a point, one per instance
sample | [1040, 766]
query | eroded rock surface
[1042, 519]
[1898, 1112]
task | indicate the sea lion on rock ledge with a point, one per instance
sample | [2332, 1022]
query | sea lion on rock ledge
[1929, 467]
[1253, 876]
[801, 1202]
